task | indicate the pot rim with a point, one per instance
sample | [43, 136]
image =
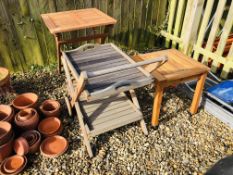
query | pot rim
[23, 123]
[16, 172]
[12, 170]
[8, 131]
[6, 74]
[26, 106]
[50, 102]
[55, 154]
[10, 110]
[43, 122]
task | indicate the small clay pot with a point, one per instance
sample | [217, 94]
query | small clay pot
[4, 77]
[5, 132]
[33, 138]
[25, 114]
[53, 146]
[21, 146]
[30, 121]
[50, 108]
[13, 165]
[26, 100]
[6, 149]
[50, 126]
[6, 113]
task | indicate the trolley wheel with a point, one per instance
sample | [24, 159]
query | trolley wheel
[68, 105]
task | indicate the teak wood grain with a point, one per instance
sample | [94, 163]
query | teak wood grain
[178, 69]
[76, 19]
[178, 66]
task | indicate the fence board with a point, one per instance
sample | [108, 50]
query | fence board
[172, 9]
[204, 24]
[25, 31]
[214, 29]
[26, 41]
[226, 31]
[179, 17]
[9, 48]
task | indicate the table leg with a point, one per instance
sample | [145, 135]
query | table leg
[58, 46]
[95, 31]
[198, 93]
[107, 30]
[157, 104]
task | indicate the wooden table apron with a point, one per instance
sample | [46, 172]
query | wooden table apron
[74, 20]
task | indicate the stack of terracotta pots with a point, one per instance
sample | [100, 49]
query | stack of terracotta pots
[26, 119]
[6, 139]
[50, 128]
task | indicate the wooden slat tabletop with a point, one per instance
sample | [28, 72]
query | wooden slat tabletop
[67, 21]
[103, 57]
[178, 66]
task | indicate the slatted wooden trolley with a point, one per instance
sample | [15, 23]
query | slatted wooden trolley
[97, 77]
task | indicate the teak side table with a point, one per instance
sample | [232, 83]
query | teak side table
[179, 68]
[74, 20]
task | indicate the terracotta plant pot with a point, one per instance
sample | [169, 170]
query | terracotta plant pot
[53, 146]
[5, 132]
[27, 119]
[50, 126]
[33, 138]
[6, 113]
[50, 108]
[4, 78]
[6, 149]
[13, 165]
[25, 114]
[26, 100]
[21, 146]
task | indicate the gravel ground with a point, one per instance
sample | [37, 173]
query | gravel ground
[182, 144]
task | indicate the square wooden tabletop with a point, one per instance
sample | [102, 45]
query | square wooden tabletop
[178, 66]
[67, 21]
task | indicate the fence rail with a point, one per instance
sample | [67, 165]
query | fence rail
[25, 41]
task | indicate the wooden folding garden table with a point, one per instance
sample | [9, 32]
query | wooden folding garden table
[73, 20]
[179, 68]
[98, 76]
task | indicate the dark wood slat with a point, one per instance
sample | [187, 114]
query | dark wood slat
[114, 123]
[100, 105]
[90, 52]
[103, 66]
[101, 48]
[119, 97]
[114, 75]
[99, 61]
[104, 84]
[78, 61]
[110, 115]
[94, 56]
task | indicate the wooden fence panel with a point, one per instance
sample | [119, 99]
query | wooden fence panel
[25, 40]
[195, 36]
[204, 24]
[214, 28]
